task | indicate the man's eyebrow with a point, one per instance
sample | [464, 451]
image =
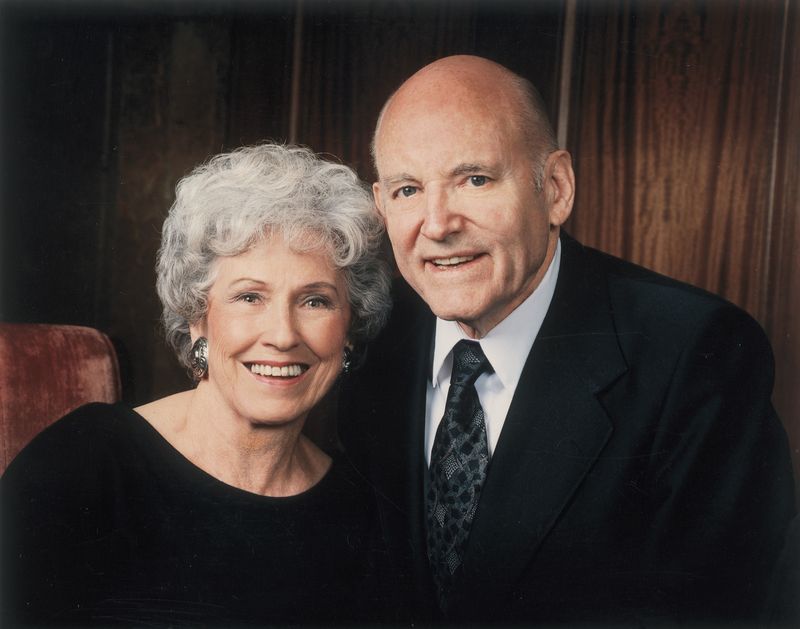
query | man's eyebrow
[465, 168]
[394, 179]
[470, 168]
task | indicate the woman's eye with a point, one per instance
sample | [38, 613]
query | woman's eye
[477, 180]
[407, 191]
[249, 298]
[318, 302]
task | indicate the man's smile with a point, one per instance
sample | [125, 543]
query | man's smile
[452, 261]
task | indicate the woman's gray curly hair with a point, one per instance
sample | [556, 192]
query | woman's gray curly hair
[228, 204]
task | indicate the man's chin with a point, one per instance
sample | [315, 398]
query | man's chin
[465, 317]
[449, 308]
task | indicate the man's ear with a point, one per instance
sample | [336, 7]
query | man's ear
[559, 186]
[376, 194]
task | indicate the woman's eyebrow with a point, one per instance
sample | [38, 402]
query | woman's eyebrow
[247, 280]
[321, 286]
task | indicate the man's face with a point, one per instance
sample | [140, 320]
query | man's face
[470, 232]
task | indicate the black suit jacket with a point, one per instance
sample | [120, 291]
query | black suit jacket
[641, 474]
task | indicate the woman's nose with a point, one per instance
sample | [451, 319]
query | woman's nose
[280, 328]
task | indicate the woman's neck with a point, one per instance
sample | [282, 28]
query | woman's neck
[271, 460]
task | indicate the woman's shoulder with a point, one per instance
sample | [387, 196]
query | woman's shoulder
[78, 441]
[162, 413]
[95, 419]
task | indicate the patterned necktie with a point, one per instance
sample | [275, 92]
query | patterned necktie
[459, 459]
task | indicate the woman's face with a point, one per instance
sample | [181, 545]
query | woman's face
[276, 326]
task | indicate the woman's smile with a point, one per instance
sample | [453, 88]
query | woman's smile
[278, 371]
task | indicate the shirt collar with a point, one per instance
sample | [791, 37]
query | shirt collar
[508, 344]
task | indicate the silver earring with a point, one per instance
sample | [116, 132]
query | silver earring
[198, 358]
[347, 360]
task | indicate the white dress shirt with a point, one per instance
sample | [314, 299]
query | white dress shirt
[507, 346]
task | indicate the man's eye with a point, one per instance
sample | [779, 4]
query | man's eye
[408, 191]
[477, 180]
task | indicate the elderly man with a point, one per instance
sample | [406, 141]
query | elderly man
[569, 437]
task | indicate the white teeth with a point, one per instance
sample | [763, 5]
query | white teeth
[452, 261]
[287, 371]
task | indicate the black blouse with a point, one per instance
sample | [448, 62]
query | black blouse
[105, 523]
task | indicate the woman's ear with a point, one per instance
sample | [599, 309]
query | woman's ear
[349, 359]
[197, 329]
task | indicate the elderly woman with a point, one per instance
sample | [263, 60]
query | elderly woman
[210, 506]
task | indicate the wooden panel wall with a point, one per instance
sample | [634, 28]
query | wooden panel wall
[353, 59]
[783, 320]
[164, 69]
[261, 66]
[53, 131]
[685, 134]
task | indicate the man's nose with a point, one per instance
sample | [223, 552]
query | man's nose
[279, 327]
[441, 217]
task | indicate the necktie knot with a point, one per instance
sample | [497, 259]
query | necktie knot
[469, 362]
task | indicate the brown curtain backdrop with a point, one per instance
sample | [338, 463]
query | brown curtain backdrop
[686, 137]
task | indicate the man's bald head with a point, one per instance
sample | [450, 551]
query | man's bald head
[472, 188]
[465, 80]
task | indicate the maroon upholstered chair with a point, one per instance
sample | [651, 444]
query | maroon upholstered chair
[47, 371]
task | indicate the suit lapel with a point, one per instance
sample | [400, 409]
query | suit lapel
[411, 409]
[415, 436]
[397, 383]
[554, 431]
